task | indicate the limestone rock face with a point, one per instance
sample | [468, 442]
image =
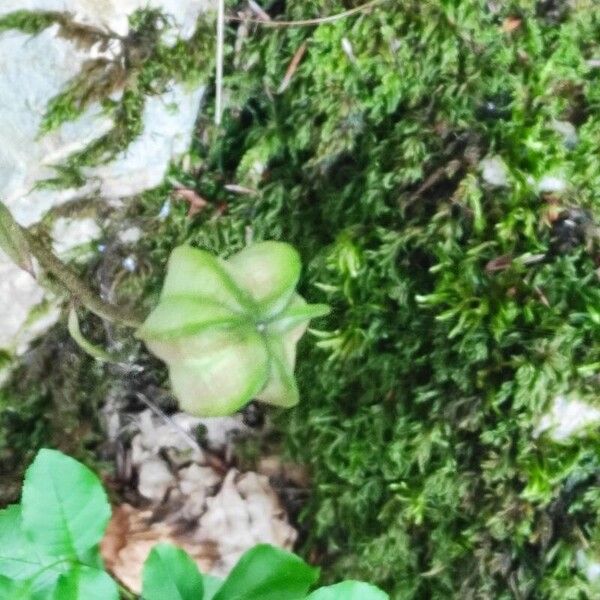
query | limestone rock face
[33, 70]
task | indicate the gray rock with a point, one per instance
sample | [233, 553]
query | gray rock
[33, 70]
[494, 171]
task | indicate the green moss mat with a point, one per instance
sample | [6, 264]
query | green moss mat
[449, 336]
[419, 407]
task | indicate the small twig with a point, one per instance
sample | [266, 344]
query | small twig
[73, 284]
[305, 22]
[292, 68]
[219, 61]
[540, 294]
[444, 173]
[258, 10]
[157, 411]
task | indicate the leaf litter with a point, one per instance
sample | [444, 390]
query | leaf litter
[190, 494]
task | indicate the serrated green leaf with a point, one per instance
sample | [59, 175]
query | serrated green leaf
[169, 573]
[217, 371]
[13, 241]
[197, 273]
[17, 558]
[65, 509]
[269, 271]
[211, 586]
[178, 316]
[268, 573]
[85, 583]
[11, 589]
[21, 560]
[349, 590]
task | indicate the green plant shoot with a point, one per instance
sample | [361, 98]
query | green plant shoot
[228, 329]
[49, 551]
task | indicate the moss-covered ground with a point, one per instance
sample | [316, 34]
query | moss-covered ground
[460, 309]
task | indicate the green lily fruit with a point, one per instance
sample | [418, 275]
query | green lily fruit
[228, 329]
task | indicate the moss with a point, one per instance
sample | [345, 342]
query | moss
[50, 399]
[422, 390]
[145, 66]
[28, 21]
[151, 67]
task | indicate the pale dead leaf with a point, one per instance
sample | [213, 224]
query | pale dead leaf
[274, 467]
[511, 24]
[131, 535]
[258, 11]
[197, 203]
[245, 512]
[240, 189]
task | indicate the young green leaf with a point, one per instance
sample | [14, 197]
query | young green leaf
[11, 589]
[65, 509]
[269, 271]
[216, 372]
[297, 314]
[228, 329]
[22, 561]
[87, 346]
[198, 274]
[169, 573]
[85, 583]
[281, 388]
[178, 316]
[268, 573]
[349, 590]
[13, 241]
[17, 560]
[211, 586]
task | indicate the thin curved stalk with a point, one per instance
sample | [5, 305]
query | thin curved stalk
[77, 288]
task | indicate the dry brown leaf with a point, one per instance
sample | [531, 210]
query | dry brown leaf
[511, 24]
[198, 502]
[274, 467]
[499, 264]
[197, 203]
[131, 535]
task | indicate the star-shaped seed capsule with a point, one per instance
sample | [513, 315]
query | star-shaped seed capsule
[228, 329]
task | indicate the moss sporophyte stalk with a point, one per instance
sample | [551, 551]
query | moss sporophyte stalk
[228, 329]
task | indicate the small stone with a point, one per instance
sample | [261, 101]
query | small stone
[551, 184]
[568, 132]
[68, 234]
[130, 235]
[154, 479]
[130, 263]
[590, 567]
[348, 51]
[165, 210]
[494, 171]
[567, 416]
